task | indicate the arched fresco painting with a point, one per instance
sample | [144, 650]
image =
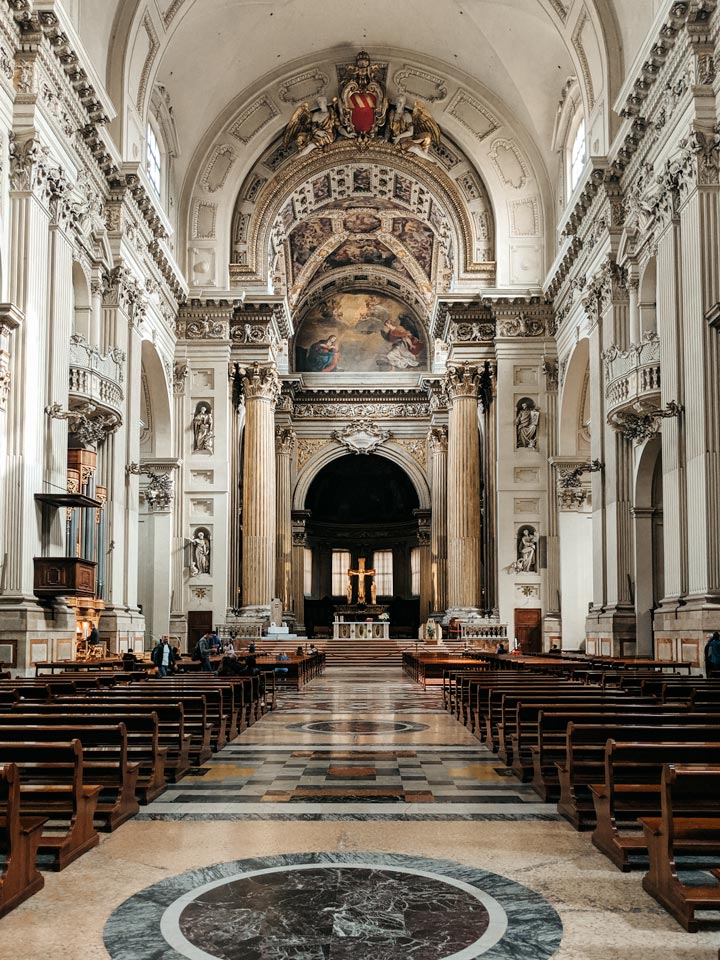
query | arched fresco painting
[360, 332]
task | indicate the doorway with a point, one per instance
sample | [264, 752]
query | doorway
[528, 630]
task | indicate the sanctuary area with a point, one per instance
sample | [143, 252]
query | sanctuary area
[360, 485]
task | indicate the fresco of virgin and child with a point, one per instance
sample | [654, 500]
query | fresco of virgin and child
[360, 332]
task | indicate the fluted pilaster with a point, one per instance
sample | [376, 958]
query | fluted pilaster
[463, 488]
[261, 389]
[285, 440]
[438, 443]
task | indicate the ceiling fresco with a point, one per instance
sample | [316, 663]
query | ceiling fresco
[360, 332]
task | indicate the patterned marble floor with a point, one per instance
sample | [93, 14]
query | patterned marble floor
[357, 822]
[346, 748]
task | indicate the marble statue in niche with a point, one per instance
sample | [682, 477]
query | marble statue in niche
[526, 424]
[526, 551]
[203, 428]
[200, 552]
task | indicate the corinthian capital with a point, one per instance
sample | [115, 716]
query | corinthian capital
[285, 439]
[462, 381]
[261, 382]
[438, 439]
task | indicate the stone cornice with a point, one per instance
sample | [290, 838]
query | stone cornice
[205, 320]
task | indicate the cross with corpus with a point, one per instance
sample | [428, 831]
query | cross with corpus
[360, 573]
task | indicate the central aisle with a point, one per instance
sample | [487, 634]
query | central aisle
[371, 744]
[356, 822]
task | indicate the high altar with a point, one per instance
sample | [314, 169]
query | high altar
[361, 630]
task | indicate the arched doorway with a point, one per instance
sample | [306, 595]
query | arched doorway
[362, 507]
[649, 545]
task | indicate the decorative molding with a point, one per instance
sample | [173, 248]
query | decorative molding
[181, 371]
[218, 167]
[260, 382]
[438, 440]
[253, 119]
[462, 381]
[582, 20]
[307, 447]
[285, 441]
[639, 427]
[464, 106]
[438, 87]
[517, 178]
[361, 436]
[85, 423]
[154, 46]
[521, 325]
[309, 84]
[417, 448]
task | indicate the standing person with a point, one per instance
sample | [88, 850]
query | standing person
[163, 657]
[205, 649]
[712, 655]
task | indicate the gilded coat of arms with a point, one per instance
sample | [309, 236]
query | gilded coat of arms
[361, 112]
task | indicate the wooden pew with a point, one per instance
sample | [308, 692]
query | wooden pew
[527, 734]
[632, 789]
[194, 710]
[19, 839]
[584, 762]
[689, 821]
[172, 735]
[52, 786]
[105, 762]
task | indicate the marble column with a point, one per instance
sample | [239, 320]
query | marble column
[285, 440]
[299, 543]
[489, 412]
[463, 494]
[237, 429]
[261, 389]
[438, 441]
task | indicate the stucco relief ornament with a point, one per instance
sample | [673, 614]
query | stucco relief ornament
[84, 422]
[361, 436]
[521, 326]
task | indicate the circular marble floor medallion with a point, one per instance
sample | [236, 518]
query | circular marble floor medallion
[327, 906]
[357, 726]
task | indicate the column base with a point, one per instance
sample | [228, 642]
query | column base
[682, 627]
[179, 629]
[552, 629]
[610, 632]
[462, 613]
[122, 628]
[31, 631]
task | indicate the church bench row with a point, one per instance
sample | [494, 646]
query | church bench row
[19, 838]
[104, 759]
[143, 738]
[565, 773]
[631, 789]
[52, 786]
[688, 822]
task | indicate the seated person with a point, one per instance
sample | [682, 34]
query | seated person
[282, 656]
[251, 647]
[313, 649]
[454, 628]
[93, 637]
[228, 648]
[231, 667]
[501, 648]
[129, 660]
[299, 652]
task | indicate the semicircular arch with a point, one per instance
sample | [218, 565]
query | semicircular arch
[334, 451]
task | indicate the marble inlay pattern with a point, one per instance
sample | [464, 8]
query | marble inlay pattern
[357, 725]
[334, 906]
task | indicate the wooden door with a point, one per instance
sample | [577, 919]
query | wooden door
[199, 621]
[528, 630]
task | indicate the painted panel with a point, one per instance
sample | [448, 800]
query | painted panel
[360, 332]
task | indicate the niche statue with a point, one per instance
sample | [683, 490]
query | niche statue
[526, 424]
[200, 553]
[527, 551]
[203, 428]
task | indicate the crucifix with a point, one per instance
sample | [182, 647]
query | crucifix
[361, 573]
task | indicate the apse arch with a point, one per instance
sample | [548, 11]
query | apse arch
[334, 451]
[574, 390]
[156, 438]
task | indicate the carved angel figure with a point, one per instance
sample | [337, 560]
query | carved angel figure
[425, 129]
[400, 125]
[309, 129]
